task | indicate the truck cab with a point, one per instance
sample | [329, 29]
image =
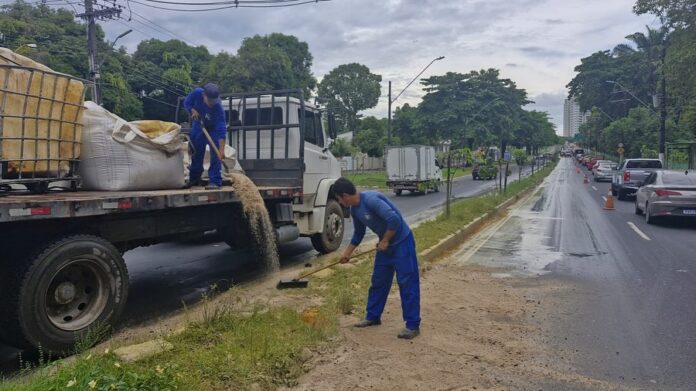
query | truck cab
[282, 140]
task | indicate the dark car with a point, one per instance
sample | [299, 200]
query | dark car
[631, 176]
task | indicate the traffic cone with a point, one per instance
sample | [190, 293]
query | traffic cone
[585, 179]
[609, 204]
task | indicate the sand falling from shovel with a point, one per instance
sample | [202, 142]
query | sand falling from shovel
[259, 223]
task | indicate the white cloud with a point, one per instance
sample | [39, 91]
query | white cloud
[535, 43]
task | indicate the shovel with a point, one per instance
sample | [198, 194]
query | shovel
[214, 147]
[300, 281]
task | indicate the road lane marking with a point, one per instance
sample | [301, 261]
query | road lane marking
[638, 231]
[595, 189]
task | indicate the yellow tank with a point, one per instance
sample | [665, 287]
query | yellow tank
[40, 119]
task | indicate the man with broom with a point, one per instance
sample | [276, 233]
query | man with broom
[204, 107]
[396, 253]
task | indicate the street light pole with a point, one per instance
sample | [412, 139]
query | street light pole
[402, 91]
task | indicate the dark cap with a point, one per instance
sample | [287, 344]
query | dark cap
[212, 91]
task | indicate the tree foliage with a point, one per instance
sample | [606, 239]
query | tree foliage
[349, 89]
[624, 112]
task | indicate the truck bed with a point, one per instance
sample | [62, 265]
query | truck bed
[56, 205]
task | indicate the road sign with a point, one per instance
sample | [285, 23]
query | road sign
[507, 156]
[621, 145]
[620, 151]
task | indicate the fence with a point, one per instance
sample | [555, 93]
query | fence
[361, 163]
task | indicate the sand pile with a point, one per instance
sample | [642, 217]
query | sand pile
[262, 232]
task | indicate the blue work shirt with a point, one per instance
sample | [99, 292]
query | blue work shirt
[380, 214]
[213, 117]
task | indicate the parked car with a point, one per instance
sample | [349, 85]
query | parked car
[667, 193]
[631, 175]
[604, 171]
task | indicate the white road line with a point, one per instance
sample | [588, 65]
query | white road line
[595, 189]
[638, 231]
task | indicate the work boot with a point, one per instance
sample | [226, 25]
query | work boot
[194, 183]
[213, 186]
[407, 333]
[368, 323]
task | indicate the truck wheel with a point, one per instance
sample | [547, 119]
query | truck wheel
[67, 288]
[437, 187]
[330, 240]
[397, 192]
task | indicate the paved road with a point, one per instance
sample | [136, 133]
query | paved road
[631, 316]
[164, 276]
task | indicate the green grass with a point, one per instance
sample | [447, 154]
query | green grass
[259, 348]
[378, 179]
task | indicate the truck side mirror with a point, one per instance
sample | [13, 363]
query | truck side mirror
[333, 132]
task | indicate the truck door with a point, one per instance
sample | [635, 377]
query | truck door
[317, 161]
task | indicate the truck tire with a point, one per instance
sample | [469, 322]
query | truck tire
[397, 192]
[64, 290]
[330, 240]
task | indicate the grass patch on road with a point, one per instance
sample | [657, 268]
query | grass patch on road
[378, 179]
[260, 346]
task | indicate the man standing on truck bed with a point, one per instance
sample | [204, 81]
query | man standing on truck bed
[203, 104]
[396, 252]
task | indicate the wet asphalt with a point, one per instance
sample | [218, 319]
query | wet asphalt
[629, 314]
[167, 276]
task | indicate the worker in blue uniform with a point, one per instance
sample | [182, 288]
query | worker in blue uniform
[396, 253]
[203, 104]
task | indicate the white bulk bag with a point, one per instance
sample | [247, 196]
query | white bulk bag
[118, 156]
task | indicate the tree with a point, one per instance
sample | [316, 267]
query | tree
[476, 108]
[341, 147]
[349, 89]
[372, 136]
[408, 126]
[677, 13]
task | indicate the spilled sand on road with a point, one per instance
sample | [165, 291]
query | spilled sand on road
[478, 333]
[262, 232]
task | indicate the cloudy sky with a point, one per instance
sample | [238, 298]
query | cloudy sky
[536, 43]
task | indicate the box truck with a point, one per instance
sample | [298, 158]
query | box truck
[413, 168]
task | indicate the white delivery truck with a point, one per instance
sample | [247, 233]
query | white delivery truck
[413, 168]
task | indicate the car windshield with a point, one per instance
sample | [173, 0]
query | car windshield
[643, 164]
[678, 179]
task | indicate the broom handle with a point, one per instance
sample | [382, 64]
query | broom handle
[336, 263]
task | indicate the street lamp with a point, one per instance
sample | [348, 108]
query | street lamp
[97, 72]
[402, 91]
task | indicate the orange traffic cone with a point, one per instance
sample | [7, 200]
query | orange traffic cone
[585, 179]
[609, 204]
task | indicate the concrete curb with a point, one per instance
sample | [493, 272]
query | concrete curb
[454, 240]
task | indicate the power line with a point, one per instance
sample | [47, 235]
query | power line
[296, 3]
[164, 29]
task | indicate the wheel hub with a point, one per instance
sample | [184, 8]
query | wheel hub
[65, 292]
[334, 226]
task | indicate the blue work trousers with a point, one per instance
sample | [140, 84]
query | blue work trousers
[403, 260]
[199, 142]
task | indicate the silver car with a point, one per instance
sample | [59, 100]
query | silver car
[604, 170]
[667, 193]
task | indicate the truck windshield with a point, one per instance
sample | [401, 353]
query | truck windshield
[643, 164]
[264, 117]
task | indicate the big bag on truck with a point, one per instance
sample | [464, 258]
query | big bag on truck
[40, 119]
[121, 156]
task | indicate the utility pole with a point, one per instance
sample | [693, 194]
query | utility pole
[663, 106]
[90, 16]
[389, 117]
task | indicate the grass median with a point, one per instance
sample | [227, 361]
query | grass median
[252, 346]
